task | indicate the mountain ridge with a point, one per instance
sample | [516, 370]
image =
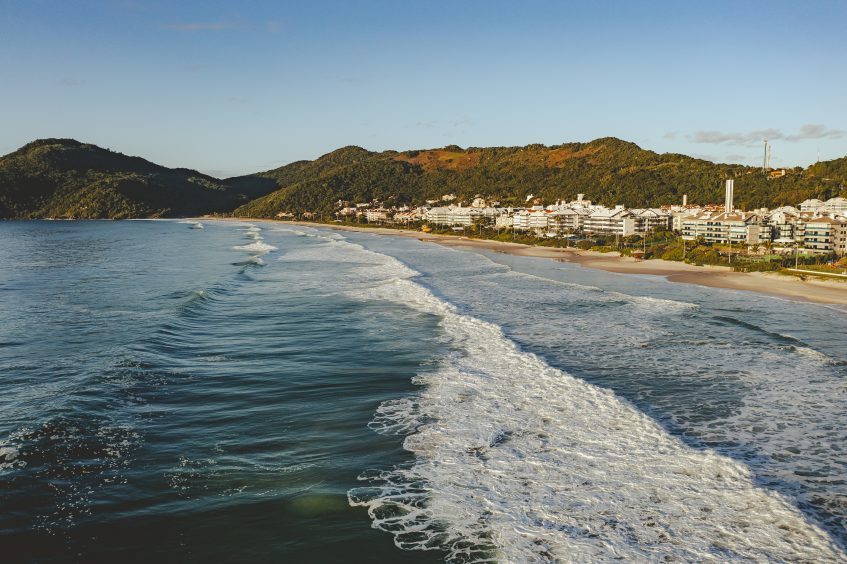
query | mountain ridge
[609, 170]
[68, 178]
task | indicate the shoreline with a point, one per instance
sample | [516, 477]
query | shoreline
[767, 283]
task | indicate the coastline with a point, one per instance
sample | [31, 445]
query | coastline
[767, 283]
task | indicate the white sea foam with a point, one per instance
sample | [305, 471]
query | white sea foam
[256, 247]
[518, 461]
[214, 358]
[814, 355]
[309, 232]
[9, 457]
[192, 224]
[297, 232]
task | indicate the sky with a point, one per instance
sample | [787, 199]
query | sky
[233, 87]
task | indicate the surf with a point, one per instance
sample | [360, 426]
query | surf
[516, 460]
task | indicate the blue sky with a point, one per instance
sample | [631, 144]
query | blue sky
[232, 87]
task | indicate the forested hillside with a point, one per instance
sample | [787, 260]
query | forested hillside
[607, 170]
[63, 178]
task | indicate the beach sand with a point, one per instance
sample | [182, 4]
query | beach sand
[790, 287]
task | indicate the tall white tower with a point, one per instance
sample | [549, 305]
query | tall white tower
[765, 158]
[730, 188]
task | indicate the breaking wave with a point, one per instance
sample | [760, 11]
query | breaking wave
[518, 461]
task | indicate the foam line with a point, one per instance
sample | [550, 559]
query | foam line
[518, 461]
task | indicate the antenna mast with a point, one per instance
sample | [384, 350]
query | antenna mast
[765, 157]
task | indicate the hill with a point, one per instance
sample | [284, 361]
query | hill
[67, 178]
[64, 178]
[607, 170]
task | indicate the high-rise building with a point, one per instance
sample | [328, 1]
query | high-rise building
[728, 206]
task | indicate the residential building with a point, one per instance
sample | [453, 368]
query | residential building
[652, 219]
[728, 228]
[825, 235]
[811, 205]
[378, 215]
[571, 219]
[836, 205]
[615, 221]
[438, 215]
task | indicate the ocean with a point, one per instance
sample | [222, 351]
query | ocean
[232, 391]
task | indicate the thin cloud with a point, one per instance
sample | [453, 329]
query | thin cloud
[670, 135]
[751, 138]
[815, 131]
[736, 157]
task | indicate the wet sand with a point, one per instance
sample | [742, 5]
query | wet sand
[809, 290]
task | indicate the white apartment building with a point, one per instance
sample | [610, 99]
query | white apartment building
[605, 221]
[811, 205]
[825, 235]
[504, 221]
[464, 216]
[732, 228]
[786, 224]
[571, 219]
[377, 215]
[543, 221]
[438, 215]
[652, 219]
[836, 205]
[520, 220]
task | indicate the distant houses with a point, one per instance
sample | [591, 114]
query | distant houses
[814, 226]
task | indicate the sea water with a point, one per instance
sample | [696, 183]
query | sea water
[262, 391]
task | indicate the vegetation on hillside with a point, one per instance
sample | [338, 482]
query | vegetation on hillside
[607, 170]
[63, 178]
[66, 178]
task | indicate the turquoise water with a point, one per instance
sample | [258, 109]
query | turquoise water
[270, 392]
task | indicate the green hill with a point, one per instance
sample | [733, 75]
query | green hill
[64, 178]
[608, 170]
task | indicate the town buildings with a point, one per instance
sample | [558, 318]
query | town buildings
[813, 226]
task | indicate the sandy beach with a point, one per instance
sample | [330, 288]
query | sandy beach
[809, 290]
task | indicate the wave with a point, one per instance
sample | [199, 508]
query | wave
[645, 303]
[518, 461]
[192, 224]
[256, 247]
[252, 261]
[785, 342]
[311, 232]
